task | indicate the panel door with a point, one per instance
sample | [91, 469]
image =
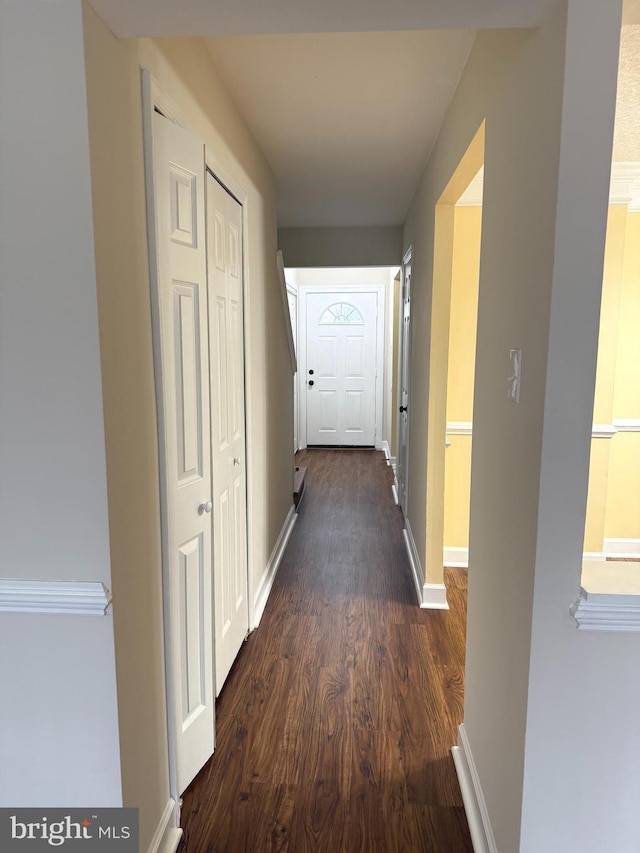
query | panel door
[226, 323]
[341, 368]
[402, 463]
[181, 300]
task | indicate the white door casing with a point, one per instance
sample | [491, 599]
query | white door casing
[292, 299]
[404, 371]
[182, 380]
[226, 323]
[342, 342]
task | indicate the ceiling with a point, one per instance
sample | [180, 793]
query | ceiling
[346, 120]
[344, 97]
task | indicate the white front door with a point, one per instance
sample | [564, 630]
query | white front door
[402, 462]
[226, 322]
[182, 371]
[341, 367]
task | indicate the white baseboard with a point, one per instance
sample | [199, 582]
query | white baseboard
[394, 492]
[627, 548]
[593, 555]
[472, 796]
[262, 595]
[391, 460]
[168, 834]
[431, 596]
[456, 558]
[434, 596]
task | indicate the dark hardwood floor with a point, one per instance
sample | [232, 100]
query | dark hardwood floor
[335, 725]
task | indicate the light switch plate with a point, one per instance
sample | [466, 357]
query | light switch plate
[515, 361]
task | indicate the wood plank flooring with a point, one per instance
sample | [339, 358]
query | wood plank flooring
[335, 725]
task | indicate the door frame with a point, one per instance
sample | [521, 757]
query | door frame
[303, 291]
[292, 290]
[404, 341]
[154, 98]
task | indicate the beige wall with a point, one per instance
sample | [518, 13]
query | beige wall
[184, 71]
[341, 247]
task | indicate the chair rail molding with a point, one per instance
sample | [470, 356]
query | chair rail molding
[596, 611]
[79, 598]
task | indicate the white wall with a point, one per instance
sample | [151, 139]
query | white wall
[58, 716]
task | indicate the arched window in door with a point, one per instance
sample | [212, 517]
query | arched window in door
[341, 312]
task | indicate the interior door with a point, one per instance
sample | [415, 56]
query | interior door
[226, 324]
[181, 345]
[402, 462]
[341, 364]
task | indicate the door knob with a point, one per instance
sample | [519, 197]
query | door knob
[207, 506]
[311, 382]
[311, 373]
[404, 408]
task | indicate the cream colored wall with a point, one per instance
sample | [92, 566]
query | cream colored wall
[461, 367]
[437, 412]
[184, 71]
[613, 507]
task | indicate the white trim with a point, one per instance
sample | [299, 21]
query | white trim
[394, 492]
[594, 555]
[79, 598]
[168, 833]
[152, 97]
[285, 305]
[434, 597]
[456, 558]
[431, 596]
[414, 559]
[625, 185]
[264, 589]
[390, 460]
[597, 431]
[459, 428]
[404, 382]
[627, 424]
[594, 611]
[603, 431]
[475, 806]
[626, 548]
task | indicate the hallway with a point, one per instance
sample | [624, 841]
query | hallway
[335, 724]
